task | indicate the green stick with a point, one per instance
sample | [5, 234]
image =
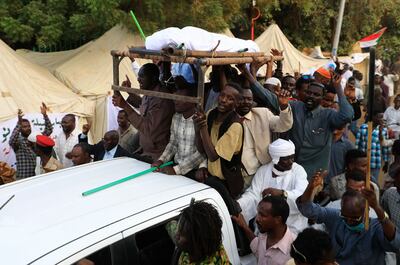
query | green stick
[111, 184]
[138, 26]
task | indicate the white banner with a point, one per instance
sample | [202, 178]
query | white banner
[37, 124]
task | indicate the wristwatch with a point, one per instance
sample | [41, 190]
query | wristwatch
[385, 218]
[284, 194]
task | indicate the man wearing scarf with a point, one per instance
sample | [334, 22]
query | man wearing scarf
[281, 177]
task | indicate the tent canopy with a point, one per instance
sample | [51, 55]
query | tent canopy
[295, 61]
[87, 70]
[24, 85]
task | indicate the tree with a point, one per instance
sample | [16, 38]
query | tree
[48, 22]
[307, 23]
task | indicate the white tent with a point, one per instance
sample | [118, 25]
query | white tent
[295, 61]
[87, 71]
[26, 85]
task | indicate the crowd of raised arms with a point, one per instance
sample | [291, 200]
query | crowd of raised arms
[287, 153]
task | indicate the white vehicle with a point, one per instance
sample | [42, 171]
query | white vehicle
[46, 219]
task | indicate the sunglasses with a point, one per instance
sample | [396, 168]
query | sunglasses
[351, 219]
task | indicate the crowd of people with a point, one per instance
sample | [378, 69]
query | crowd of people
[276, 147]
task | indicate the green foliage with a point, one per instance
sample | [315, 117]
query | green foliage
[307, 23]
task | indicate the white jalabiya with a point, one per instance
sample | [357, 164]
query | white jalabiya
[294, 183]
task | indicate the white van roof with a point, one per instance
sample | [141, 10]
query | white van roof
[49, 209]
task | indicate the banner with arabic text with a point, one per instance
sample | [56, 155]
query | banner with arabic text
[37, 123]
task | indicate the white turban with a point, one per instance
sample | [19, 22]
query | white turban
[280, 148]
[273, 81]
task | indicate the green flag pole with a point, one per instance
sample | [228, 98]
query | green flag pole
[111, 184]
[138, 26]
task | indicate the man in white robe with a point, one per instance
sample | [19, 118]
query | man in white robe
[281, 177]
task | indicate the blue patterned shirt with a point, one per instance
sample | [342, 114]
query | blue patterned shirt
[378, 152]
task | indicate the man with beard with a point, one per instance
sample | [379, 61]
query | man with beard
[127, 133]
[66, 140]
[23, 148]
[282, 177]
[302, 85]
[154, 120]
[258, 124]
[313, 126]
[352, 243]
[273, 245]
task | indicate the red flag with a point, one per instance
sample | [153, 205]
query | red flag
[372, 40]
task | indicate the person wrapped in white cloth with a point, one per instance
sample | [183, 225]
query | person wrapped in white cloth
[281, 177]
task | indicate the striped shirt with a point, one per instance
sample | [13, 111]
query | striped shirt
[378, 152]
[182, 145]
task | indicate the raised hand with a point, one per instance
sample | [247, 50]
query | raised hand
[276, 52]
[336, 81]
[118, 100]
[43, 109]
[318, 179]
[370, 196]
[85, 128]
[126, 82]
[20, 115]
[283, 98]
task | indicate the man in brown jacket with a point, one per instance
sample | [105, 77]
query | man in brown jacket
[154, 120]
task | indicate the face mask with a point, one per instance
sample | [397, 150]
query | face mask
[355, 228]
[280, 173]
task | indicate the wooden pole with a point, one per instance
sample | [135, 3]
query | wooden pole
[159, 55]
[370, 126]
[190, 53]
[157, 94]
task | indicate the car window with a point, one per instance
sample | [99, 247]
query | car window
[152, 246]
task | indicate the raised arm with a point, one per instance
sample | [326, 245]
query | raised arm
[346, 112]
[284, 121]
[268, 98]
[14, 141]
[314, 211]
[389, 229]
[48, 127]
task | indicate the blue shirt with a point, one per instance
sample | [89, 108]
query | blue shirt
[312, 130]
[338, 153]
[352, 248]
[110, 154]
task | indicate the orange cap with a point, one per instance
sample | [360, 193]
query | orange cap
[324, 72]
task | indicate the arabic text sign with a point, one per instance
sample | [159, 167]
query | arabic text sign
[37, 123]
